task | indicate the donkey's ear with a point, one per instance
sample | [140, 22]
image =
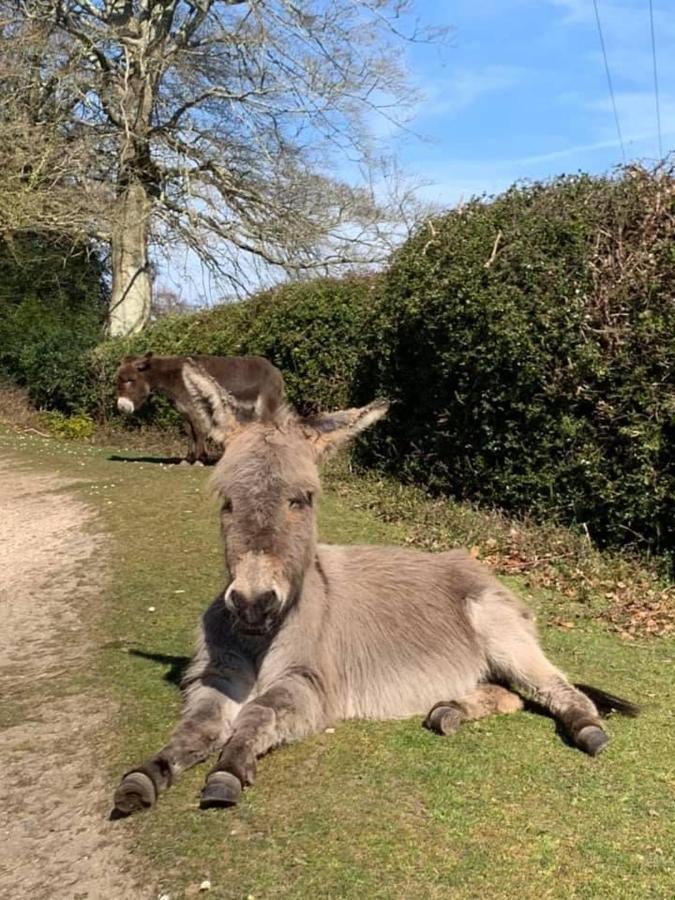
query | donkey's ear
[329, 432]
[142, 362]
[215, 406]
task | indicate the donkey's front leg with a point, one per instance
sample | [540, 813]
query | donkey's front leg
[289, 710]
[204, 727]
[192, 431]
[197, 447]
[191, 455]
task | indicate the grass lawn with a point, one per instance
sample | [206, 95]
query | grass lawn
[374, 810]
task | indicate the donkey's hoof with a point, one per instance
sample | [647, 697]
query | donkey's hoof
[592, 740]
[136, 791]
[443, 719]
[221, 789]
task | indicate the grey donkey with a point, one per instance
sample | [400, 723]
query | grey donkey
[307, 634]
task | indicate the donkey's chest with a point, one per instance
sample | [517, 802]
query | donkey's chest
[368, 679]
[396, 689]
[387, 639]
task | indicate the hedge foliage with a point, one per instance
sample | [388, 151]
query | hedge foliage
[530, 345]
[528, 342]
[51, 316]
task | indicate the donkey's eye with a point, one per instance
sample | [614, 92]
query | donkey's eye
[300, 502]
[227, 506]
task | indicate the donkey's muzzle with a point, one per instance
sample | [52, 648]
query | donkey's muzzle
[256, 614]
[124, 405]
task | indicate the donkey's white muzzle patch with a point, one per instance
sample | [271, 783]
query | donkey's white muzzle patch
[125, 405]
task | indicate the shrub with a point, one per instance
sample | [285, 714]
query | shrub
[528, 342]
[78, 427]
[317, 333]
[51, 314]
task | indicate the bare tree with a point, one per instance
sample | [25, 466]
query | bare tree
[44, 150]
[236, 128]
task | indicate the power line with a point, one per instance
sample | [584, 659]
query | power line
[656, 79]
[609, 81]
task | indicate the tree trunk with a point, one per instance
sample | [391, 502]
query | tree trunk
[131, 285]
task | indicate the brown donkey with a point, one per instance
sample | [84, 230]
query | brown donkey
[252, 380]
[308, 634]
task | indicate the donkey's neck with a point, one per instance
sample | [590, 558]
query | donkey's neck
[166, 377]
[309, 602]
[320, 573]
[312, 601]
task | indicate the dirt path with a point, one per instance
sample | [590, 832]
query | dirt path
[55, 838]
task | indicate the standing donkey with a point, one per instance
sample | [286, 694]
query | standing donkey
[252, 380]
[308, 634]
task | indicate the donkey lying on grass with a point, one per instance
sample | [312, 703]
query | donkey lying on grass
[252, 380]
[307, 634]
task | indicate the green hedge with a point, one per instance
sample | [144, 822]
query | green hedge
[51, 315]
[530, 345]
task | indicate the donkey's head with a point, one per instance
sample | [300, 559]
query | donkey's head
[132, 383]
[268, 481]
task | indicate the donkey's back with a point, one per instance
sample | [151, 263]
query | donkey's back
[252, 379]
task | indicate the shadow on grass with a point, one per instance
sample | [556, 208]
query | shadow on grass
[162, 460]
[177, 664]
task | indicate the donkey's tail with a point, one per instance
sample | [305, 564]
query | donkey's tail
[608, 703]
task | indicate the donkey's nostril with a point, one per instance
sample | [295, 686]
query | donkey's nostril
[238, 601]
[266, 601]
[255, 612]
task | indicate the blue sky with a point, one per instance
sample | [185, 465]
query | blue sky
[522, 91]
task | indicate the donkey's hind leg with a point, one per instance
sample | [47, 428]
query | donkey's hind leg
[514, 656]
[204, 727]
[446, 717]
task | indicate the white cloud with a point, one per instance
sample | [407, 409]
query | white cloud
[575, 11]
[462, 87]
[637, 117]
